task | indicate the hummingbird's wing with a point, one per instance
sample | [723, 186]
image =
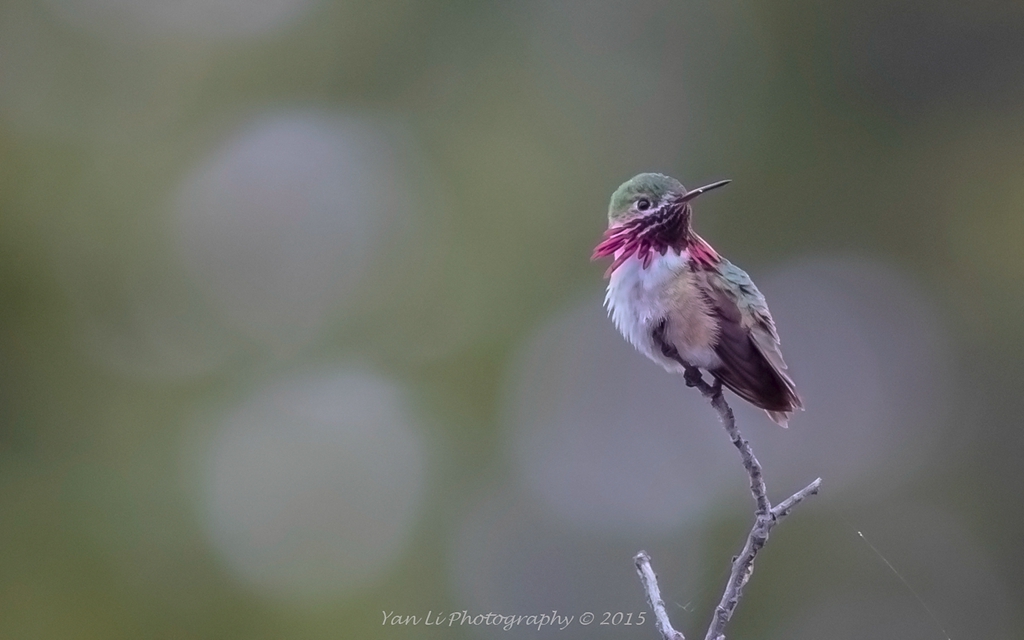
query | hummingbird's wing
[748, 344]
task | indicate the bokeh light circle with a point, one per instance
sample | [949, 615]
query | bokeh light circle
[314, 483]
[278, 225]
[871, 361]
[605, 438]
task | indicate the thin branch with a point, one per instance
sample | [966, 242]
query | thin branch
[782, 509]
[765, 519]
[643, 567]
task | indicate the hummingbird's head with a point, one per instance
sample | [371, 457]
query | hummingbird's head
[647, 213]
[642, 195]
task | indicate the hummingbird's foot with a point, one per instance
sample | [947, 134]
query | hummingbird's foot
[692, 376]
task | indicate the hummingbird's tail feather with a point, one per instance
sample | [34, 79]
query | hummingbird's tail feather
[780, 418]
[766, 389]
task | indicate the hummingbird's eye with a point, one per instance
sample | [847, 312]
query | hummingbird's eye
[643, 204]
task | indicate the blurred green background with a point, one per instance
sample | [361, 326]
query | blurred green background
[298, 327]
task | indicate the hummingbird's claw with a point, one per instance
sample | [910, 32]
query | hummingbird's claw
[692, 377]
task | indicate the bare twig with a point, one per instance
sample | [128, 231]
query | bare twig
[782, 509]
[765, 519]
[643, 567]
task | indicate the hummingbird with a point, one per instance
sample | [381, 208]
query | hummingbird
[684, 306]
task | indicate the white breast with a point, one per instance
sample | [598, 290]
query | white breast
[636, 301]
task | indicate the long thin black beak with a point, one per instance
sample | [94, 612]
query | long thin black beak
[690, 195]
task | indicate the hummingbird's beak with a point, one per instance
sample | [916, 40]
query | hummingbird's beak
[690, 195]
